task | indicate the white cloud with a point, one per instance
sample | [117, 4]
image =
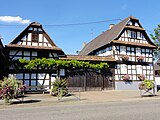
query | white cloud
[11, 19]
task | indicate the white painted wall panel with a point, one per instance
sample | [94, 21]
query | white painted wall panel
[45, 40]
[40, 37]
[29, 36]
[23, 43]
[45, 44]
[34, 44]
[41, 75]
[40, 44]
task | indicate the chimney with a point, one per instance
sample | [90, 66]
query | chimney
[111, 25]
[84, 44]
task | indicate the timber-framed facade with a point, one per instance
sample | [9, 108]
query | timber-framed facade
[126, 47]
[128, 43]
[32, 43]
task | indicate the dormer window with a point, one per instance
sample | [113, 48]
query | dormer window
[35, 37]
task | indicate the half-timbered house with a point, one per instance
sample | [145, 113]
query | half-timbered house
[31, 43]
[128, 43]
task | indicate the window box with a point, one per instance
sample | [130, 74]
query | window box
[125, 57]
[126, 77]
[140, 58]
[141, 77]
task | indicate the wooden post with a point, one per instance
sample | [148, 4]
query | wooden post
[85, 80]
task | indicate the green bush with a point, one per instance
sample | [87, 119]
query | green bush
[146, 85]
[59, 87]
[11, 88]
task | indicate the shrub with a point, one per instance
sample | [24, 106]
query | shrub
[11, 88]
[146, 85]
[59, 87]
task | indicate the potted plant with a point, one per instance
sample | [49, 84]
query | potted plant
[141, 77]
[11, 88]
[140, 58]
[126, 77]
[146, 85]
[125, 57]
[59, 88]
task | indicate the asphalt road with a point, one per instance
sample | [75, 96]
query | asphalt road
[125, 110]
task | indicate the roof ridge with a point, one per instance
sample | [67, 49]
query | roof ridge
[107, 37]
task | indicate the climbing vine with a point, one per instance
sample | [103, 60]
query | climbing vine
[44, 62]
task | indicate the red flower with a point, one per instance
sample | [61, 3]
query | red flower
[125, 57]
[141, 77]
[126, 77]
[140, 58]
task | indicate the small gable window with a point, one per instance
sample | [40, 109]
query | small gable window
[136, 24]
[35, 37]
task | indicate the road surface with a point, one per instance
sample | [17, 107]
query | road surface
[125, 110]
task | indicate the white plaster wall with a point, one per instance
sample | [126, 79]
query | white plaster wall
[29, 36]
[40, 37]
[126, 85]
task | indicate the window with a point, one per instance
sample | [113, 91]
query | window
[139, 35]
[133, 34]
[35, 37]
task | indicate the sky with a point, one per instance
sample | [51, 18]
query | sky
[64, 20]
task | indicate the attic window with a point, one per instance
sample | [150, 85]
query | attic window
[35, 37]
[136, 24]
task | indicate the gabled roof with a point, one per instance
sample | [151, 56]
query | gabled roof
[2, 55]
[89, 58]
[26, 30]
[157, 65]
[110, 35]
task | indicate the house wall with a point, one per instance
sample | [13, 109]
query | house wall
[132, 67]
[37, 76]
[126, 85]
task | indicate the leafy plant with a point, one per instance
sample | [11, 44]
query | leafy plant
[156, 39]
[11, 88]
[59, 87]
[49, 63]
[146, 85]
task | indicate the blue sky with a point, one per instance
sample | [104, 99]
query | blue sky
[58, 12]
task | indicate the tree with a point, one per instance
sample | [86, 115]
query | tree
[156, 40]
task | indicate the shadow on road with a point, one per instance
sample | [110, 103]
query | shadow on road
[25, 102]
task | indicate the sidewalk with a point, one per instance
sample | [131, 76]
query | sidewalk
[85, 97]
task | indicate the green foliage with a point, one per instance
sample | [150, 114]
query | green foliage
[156, 39]
[59, 87]
[146, 85]
[44, 62]
[11, 88]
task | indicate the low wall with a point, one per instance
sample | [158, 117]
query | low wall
[122, 85]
